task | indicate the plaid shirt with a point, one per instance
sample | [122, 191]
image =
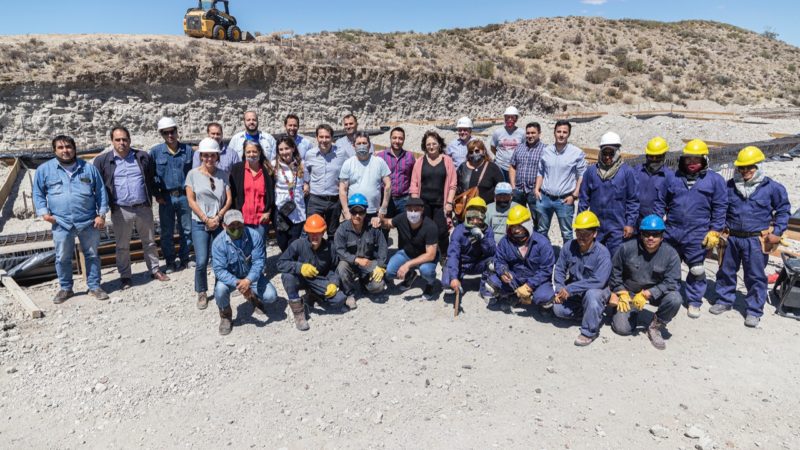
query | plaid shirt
[400, 169]
[525, 161]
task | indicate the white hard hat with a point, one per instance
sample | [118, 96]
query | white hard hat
[610, 138]
[464, 122]
[208, 145]
[511, 111]
[166, 122]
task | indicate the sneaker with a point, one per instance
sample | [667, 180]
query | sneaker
[125, 283]
[351, 302]
[719, 308]
[409, 280]
[99, 294]
[693, 311]
[62, 296]
[202, 300]
[190, 264]
[549, 305]
[583, 341]
[751, 321]
[430, 292]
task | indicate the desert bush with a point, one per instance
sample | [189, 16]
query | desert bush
[533, 51]
[559, 78]
[485, 69]
[491, 27]
[598, 75]
[564, 56]
[634, 65]
[578, 39]
[656, 76]
[536, 76]
[642, 44]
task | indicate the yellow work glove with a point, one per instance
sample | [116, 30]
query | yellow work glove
[624, 302]
[524, 291]
[331, 290]
[711, 240]
[308, 271]
[639, 300]
[377, 274]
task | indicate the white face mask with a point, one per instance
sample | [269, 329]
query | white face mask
[414, 216]
[362, 150]
[253, 160]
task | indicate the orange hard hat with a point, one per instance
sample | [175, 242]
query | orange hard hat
[315, 224]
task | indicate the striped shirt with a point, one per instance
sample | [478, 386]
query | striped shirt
[400, 168]
[525, 162]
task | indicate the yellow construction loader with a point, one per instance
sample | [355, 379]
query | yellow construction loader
[210, 22]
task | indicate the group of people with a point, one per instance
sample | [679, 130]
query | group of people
[332, 204]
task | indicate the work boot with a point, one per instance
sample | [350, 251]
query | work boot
[99, 294]
[408, 281]
[62, 296]
[125, 283]
[583, 341]
[654, 333]
[225, 321]
[719, 308]
[751, 321]
[251, 298]
[351, 302]
[429, 292]
[693, 311]
[202, 300]
[299, 313]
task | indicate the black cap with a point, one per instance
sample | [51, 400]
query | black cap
[414, 201]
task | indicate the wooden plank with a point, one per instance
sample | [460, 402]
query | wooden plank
[5, 191]
[21, 296]
[781, 135]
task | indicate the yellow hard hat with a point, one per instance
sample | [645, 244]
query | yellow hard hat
[748, 156]
[586, 219]
[695, 147]
[517, 215]
[476, 202]
[656, 146]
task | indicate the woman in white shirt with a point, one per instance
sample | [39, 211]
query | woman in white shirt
[290, 206]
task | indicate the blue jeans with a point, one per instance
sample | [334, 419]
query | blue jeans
[64, 241]
[264, 290]
[528, 200]
[175, 207]
[262, 231]
[427, 270]
[202, 250]
[545, 209]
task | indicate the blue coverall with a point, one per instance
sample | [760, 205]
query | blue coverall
[467, 257]
[768, 203]
[651, 186]
[534, 268]
[691, 214]
[585, 277]
[614, 201]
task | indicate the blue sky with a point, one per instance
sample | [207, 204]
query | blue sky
[164, 16]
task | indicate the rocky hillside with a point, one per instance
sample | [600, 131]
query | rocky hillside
[83, 83]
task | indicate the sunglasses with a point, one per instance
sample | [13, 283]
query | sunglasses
[167, 132]
[651, 234]
[746, 168]
[358, 212]
[476, 152]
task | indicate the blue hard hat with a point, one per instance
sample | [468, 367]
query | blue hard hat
[652, 223]
[357, 200]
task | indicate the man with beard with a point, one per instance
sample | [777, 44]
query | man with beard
[227, 157]
[695, 202]
[347, 143]
[292, 126]
[366, 175]
[524, 166]
[69, 194]
[758, 214]
[497, 212]
[472, 247]
[652, 176]
[401, 164]
[609, 190]
[252, 133]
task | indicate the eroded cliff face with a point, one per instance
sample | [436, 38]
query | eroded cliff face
[87, 105]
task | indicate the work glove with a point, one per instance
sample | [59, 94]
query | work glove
[524, 293]
[308, 271]
[377, 274]
[639, 301]
[476, 232]
[624, 301]
[711, 240]
[331, 290]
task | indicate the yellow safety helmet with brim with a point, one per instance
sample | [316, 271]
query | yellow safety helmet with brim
[518, 215]
[695, 147]
[586, 220]
[656, 146]
[749, 156]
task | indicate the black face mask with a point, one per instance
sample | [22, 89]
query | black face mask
[518, 238]
[654, 166]
[503, 205]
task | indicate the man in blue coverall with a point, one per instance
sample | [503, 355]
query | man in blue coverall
[652, 176]
[695, 202]
[755, 202]
[238, 259]
[523, 265]
[581, 277]
[471, 248]
[609, 190]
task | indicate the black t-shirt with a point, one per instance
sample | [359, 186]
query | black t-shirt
[413, 242]
[468, 178]
[433, 179]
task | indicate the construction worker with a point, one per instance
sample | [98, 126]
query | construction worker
[361, 250]
[695, 202]
[308, 265]
[69, 194]
[497, 212]
[252, 133]
[506, 139]
[238, 263]
[522, 267]
[472, 247]
[758, 214]
[580, 278]
[652, 176]
[609, 190]
[457, 148]
[646, 270]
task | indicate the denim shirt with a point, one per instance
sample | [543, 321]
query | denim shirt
[74, 200]
[171, 169]
[232, 262]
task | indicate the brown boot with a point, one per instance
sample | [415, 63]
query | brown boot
[299, 313]
[253, 300]
[654, 333]
[225, 321]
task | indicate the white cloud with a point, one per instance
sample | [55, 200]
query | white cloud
[594, 2]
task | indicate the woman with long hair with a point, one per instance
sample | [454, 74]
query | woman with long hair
[478, 171]
[290, 206]
[252, 188]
